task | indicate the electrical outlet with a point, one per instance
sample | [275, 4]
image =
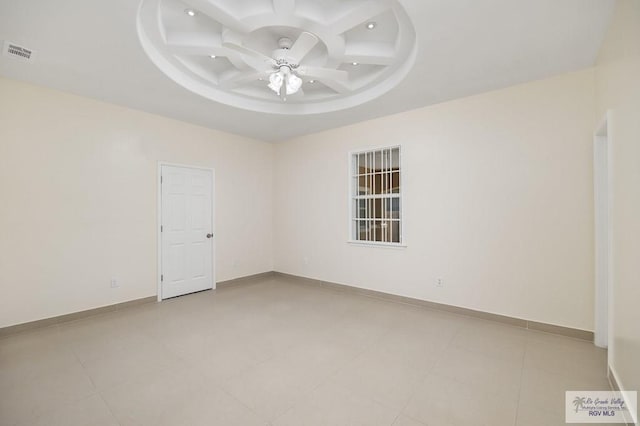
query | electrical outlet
[439, 282]
[114, 283]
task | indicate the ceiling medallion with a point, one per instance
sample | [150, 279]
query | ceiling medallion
[280, 56]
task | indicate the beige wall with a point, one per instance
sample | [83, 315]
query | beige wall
[78, 200]
[498, 199]
[618, 89]
[498, 202]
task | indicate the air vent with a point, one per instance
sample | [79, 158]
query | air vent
[12, 50]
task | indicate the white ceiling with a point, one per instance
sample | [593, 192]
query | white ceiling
[91, 48]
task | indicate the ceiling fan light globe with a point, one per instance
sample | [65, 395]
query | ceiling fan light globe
[274, 88]
[275, 82]
[293, 84]
[276, 78]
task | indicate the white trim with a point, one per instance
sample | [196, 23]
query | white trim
[159, 220]
[158, 229]
[631, 402]
[377, 244]
[350, 192]
[603, 234]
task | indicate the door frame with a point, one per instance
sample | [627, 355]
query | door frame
[603, 231]
[159, 221]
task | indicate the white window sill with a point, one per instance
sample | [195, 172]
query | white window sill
[377, 244]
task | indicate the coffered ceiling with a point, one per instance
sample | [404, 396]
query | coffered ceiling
[201, 61]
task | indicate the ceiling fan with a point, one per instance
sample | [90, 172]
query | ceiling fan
[283, 69]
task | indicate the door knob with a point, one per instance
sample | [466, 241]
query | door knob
[209, 235]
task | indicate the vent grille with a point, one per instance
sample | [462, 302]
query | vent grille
[19, 52]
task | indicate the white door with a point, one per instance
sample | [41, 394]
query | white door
[186, 230]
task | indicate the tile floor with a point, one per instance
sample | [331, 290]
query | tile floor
[276, 352]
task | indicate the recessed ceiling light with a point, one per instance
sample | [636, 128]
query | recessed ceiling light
[312, 81]
[212, 56]
[355, 64]
[190, 12]
[371, 25]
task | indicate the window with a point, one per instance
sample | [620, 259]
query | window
[376, 202]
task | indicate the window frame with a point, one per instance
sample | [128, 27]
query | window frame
[351, 194]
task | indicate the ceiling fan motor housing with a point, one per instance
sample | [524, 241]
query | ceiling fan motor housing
[282, 58]
[285, 43]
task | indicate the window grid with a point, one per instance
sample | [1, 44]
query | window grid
[376, 197]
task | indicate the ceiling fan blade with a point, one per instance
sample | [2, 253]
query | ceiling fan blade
[302, 46]
[247, 51]
[254, 59]
[232, 40]
[242, 78]
[323, 73]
